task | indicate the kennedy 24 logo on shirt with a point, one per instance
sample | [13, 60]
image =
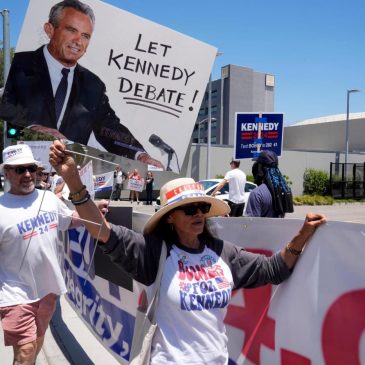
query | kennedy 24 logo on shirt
[38, 225]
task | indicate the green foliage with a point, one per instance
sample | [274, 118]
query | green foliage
[313, 200]
[218, 176]
[12, 51]
[287, 180]
[250, 178]
[315, 182]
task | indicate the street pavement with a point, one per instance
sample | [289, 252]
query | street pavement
[68, 341]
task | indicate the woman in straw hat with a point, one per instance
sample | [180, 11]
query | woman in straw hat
[200, 270]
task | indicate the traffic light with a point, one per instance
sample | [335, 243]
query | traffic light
[13, 131]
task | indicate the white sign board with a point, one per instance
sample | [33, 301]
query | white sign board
[155, 77]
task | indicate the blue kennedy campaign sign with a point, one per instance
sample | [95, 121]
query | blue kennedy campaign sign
[256, 132]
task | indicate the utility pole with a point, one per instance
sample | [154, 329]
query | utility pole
[6, 53]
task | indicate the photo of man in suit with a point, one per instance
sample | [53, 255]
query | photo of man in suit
[50, 89]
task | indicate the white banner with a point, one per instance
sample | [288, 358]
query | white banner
[316, 317]
[104, 182]
[87, 177]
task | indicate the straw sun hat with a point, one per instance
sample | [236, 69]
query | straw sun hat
[181, 192]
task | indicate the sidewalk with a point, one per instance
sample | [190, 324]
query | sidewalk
[69, 341]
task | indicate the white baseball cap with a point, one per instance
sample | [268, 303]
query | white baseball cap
[20, 154]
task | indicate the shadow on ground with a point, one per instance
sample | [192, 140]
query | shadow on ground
[66, 341]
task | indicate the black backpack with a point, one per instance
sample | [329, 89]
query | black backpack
[281, 193]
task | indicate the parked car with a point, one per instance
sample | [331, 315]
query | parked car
[223, 193]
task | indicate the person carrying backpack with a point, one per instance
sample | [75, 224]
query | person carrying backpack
[272, 197]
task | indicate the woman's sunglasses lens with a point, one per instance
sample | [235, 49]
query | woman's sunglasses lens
[193, 208]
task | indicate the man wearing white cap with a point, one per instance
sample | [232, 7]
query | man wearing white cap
[30, 276]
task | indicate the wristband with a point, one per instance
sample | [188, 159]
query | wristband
[84, 200]
[293, 251]
[76, 195]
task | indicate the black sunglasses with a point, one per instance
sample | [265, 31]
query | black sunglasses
[21, 169]
[192, 209]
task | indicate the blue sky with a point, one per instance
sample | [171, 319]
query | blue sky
[314, 48]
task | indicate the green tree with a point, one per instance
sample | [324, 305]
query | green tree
[12, 51]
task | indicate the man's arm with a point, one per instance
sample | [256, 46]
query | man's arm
[219, 186]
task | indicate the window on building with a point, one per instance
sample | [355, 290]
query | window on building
[214, 109]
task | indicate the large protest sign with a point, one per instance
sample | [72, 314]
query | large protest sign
[316, 317]
[155, 80]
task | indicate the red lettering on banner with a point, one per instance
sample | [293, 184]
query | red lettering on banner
[343, 327]
[291, 358]
[253, 320]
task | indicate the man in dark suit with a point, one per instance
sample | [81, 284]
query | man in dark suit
[34, 78]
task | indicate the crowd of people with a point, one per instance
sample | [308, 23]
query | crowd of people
[180, 225]
[30, 276]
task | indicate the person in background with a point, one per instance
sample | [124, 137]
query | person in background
[236, 180]
[198, 265]
[118, 177]
[134, 175]
[39, 182]
[264, 201]
[30, 275]
[46, 179]
[149, 187]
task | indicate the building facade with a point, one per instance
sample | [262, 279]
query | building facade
[240, 89]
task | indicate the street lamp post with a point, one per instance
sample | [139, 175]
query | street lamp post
[347, 121]
[210, 119]
[6, 60]
[201, 122]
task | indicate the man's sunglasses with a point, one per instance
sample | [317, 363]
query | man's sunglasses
[22, 169]
[192, 209]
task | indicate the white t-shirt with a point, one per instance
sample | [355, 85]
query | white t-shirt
[237, 180]
[200, 285]
[34, 220]
[119, 178]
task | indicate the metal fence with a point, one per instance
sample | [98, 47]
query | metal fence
[347, 180]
